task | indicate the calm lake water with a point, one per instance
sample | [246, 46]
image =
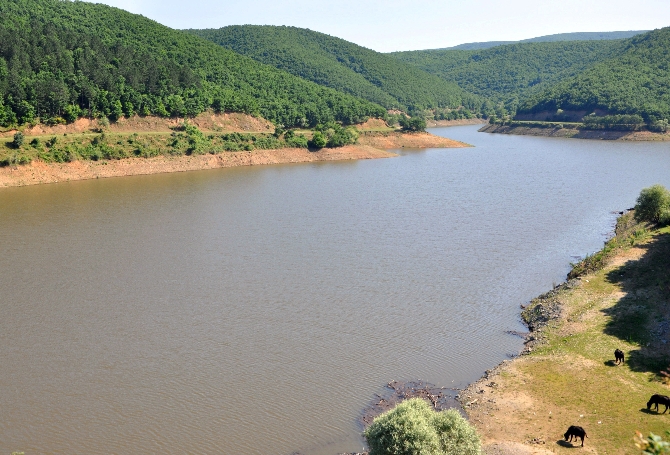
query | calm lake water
[258, 310]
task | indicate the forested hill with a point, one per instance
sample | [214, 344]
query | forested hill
[62, 59]
[578, 36]
[344, 66]
[512, 72]
[637, 81]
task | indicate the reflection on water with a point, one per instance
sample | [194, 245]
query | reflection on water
[257, 310]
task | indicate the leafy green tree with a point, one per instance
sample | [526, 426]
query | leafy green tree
[318, 140]
[414, 428]
[413, 124]
[653, 204]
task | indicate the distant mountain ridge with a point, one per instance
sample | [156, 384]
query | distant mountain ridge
[343, 66]
[510, 73]
[577, 36]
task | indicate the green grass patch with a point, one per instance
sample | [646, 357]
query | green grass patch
[187, 140]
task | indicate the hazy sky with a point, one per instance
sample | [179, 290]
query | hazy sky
[389, 25]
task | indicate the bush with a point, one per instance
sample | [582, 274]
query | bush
[18, 140]
[653, 205]
[414, 428]
[412, 124]
[318, 140]
[343, 136]
[652, 444]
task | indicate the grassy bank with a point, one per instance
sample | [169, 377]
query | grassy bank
[617, 299]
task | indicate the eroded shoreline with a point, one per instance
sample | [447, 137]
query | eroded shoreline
[633, 136]
[370, 146]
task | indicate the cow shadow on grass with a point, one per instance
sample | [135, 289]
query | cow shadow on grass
[649, 411]
[641, 316]
[568, 445]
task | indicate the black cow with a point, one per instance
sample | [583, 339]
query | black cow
[576, 432]
[658, 399]
[618, 356]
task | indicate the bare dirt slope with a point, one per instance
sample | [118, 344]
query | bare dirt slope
[38, 172]
[207, 121]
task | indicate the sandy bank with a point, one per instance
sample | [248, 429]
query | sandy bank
[461, 122]
[206, 121]
[396, 140]
[576, 133]
[38, 172]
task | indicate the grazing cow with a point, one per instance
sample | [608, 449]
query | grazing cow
[618, 356]
[576, 432]
[658, 399]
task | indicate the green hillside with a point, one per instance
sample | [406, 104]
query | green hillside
[510, 73]
[578, 36]
[62, 59]
[342, 65]
[637, 81]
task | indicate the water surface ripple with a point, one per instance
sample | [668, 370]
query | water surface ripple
[257, 310]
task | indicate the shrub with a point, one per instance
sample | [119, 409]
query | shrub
[415, 123]
[298, 141]
[343, 136]
[18, 139]
[414, 428]
[318, 140]
[652, 444]
[653, 205]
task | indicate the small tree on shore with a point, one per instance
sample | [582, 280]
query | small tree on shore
[653, 205]
[415, 123]
[414, 428]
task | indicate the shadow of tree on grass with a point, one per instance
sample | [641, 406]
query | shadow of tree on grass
[642, 315]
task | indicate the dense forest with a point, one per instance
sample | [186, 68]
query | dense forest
[344, 66]
[636, 82]
[508, 74]
[60, 60]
